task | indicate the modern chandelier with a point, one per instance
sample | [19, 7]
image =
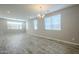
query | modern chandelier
[41, 15]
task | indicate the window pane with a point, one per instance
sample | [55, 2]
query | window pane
[56, 22]
[53, 23]
[27, 25]
[35, 24]
[48, 23]
[14, 25]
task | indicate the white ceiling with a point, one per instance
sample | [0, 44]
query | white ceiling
[22, 11]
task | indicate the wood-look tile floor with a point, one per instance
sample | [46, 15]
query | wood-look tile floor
[27, 44]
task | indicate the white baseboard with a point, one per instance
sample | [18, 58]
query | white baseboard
[67, 42]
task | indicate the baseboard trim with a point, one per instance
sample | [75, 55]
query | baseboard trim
[67, 42]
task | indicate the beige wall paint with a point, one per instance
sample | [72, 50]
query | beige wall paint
[69, 24]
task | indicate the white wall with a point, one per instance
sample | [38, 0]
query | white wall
[69, 24]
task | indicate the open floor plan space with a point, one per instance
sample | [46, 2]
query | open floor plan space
[39, 29]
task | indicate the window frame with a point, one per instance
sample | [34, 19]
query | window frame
[51, 22]
[17, 25]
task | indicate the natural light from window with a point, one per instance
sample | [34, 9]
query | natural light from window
[35, 25]
[14, 25]
[26, 25]
[53, 22]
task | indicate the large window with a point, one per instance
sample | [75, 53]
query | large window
[53, 23]
[26, 25]
[35, 25]
[14, 25]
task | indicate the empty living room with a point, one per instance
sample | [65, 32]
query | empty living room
[39, 29]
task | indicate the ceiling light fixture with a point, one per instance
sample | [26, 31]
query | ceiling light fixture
[41, 15]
